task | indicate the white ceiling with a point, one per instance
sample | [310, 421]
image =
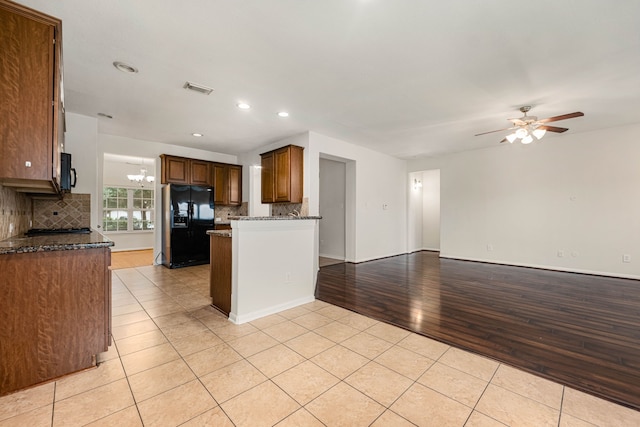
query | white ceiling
[409, 78]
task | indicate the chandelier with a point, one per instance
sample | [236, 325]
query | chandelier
[141, 178]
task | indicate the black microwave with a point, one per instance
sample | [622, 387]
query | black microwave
[66, 184]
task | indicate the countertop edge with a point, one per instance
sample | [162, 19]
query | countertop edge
[51, 243]
[272, 218]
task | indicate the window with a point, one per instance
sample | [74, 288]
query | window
[127, 209]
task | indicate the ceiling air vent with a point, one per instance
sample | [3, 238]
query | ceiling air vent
[198, 88]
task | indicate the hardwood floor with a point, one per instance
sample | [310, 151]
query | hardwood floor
[131, 259]
[578, 330]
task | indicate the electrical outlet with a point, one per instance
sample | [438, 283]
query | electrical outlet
[287, 277]
[489, 248]
[11, 227]
[560, 254]
[626, 258]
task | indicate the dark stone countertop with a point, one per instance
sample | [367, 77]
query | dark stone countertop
[57, 242]
[271, 218]
[220, 233]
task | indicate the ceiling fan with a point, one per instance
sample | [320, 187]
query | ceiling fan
[527, 127]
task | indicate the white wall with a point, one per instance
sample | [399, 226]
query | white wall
[376, 197]
[576, 194]
[81, 141]
[372, 180]
[274, 267]
[332, 208]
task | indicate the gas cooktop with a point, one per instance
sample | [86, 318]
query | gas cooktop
[49, 231]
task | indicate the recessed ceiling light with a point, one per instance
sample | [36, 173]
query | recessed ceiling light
[125, 68]
[105, 115]
[197, 134]
[283, 114]
[243, 106]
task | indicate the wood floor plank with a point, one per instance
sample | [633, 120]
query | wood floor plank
[580, 330]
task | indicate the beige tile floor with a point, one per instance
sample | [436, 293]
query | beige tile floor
[175, 361]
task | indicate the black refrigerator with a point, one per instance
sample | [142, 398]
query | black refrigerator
[188, 213]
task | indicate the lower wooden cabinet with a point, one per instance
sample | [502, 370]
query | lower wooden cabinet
[220, 273]
[55, 314]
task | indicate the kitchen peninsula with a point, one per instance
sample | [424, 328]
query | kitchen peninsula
[55, 306]
[263, 265]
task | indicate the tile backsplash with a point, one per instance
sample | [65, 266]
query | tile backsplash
[223, 212]
[74, 211]
[284, 209]
[15, 212]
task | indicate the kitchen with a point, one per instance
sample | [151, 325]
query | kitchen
[377, 185]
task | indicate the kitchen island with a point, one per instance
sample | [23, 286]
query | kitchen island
[55, 306]
[264, 265]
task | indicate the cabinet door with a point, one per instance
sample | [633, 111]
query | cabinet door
[235, 185]
[220, 184]
[27, 66]
[282, 175]
[267, 174]
[200, 173]
[174, 170]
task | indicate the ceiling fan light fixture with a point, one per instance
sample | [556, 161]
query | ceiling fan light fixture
[522, 133]
[527, 139]
[511, 137]
[539, 133]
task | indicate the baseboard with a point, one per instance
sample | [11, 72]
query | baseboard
[341, 257]
[131, 249]
[545, 267]
[248, 317]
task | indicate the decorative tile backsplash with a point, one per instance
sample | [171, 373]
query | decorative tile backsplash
[284, 209]
[224, 212]
[74, 211]
[15, 208]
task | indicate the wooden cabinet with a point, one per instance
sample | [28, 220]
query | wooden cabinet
[174, 170]
[282, 175]
[181, 170]
[226, 179]
[227, 184]
[220, 273]
[200, 172]
[58, 323]
[31, 111]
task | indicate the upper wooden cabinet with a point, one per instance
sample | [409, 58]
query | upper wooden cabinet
[226, 179]
[227, 184]
[180, 170]
[174, 170]
[282, 175]
[200, 172]
[31, 111]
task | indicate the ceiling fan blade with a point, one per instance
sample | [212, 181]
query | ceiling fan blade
[553, 129]
[503, 140]
[493, 131]
[517, 122]
[562, 117]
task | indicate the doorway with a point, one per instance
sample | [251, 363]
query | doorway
[424, 211]
[332, 203]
